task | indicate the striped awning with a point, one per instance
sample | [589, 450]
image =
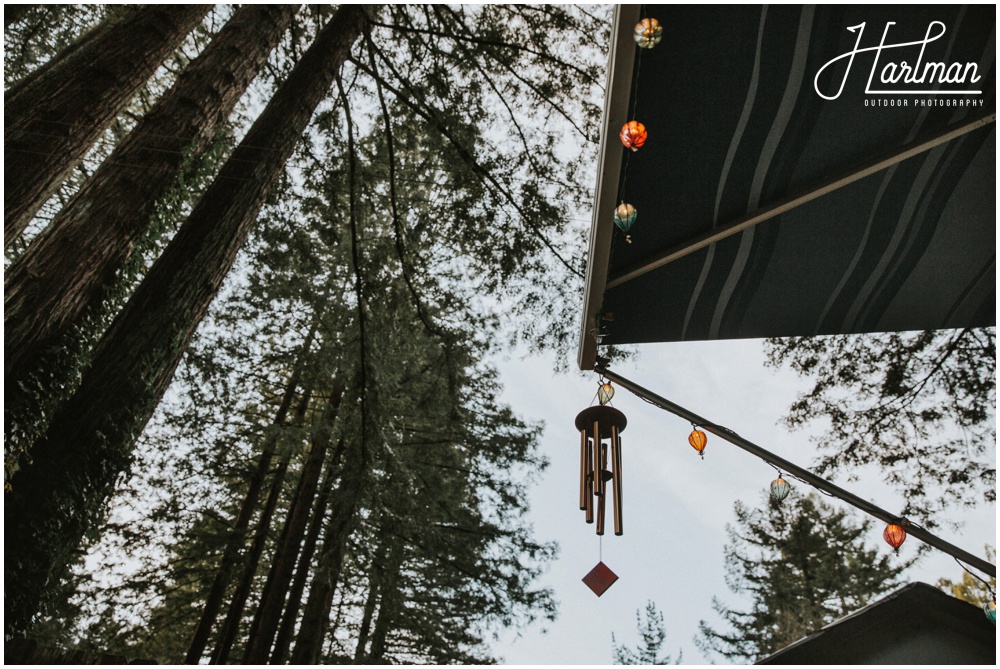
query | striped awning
[808, 170]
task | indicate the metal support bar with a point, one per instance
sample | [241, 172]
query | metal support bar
[761, 215]
[804, 474]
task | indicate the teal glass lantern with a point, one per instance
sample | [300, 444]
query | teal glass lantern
[779, 489]
[605, 393]
[648, 33]
[625, 216]
[991, 610]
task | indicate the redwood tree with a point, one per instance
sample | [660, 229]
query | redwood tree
[65, 273]
[88, 445]
[52, 120]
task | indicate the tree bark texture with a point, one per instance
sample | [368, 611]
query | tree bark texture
[371, 600]
[272, 600]
[344, 503]
[88, 446]
[67, 269]
[213, 602]
[50, 123]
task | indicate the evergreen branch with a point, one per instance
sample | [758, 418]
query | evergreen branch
[486, 42]
[545, 99]
[430, 115]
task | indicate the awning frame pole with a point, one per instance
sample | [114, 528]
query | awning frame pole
[803, 474]
[750, 220]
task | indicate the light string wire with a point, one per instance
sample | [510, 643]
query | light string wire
[985, 583]
[860, 503]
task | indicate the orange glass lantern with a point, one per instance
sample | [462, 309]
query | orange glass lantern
[633, 135]
[698, 441]
[605, 393]
[894, 535]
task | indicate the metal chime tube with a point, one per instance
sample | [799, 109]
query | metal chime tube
[595, 470]
[602, 490]
[589, 491]
[600, 430]
[616, 478]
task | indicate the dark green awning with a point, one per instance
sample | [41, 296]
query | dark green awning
[766, 209]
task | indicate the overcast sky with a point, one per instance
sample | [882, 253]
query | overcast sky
[675, 505]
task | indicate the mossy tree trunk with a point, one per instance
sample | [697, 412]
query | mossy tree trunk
[66, 271]
[52, 120]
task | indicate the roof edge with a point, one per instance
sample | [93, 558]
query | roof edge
[609, 159]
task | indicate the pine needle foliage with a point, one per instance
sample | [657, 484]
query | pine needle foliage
[801, 564]
[917, 407]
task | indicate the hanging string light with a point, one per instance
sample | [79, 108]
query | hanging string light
[633, 135]
[894, 535]
[648, 33]
[698, 441]
[625, 216]
[779, 488]
[605, 392]
[990, 607]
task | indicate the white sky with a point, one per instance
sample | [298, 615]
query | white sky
[675, 505]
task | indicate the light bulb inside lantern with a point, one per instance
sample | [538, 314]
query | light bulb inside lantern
[779, 489]
[698, 441]
[894, 535]
[648, 33]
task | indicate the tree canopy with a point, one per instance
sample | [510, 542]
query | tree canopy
[801, 564]
[919, 406]
[652, 635]
[331, 476]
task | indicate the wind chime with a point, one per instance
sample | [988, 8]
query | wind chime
[600, 430]
[601, 426]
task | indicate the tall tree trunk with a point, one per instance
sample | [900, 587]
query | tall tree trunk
[213, 602]
[374, 590]
[65, 273]
[88, 446]
[231, 625]
[375, 578]
[95, 32]
[389, 604]
[50, 123]
[283, 642]
[345, 502]
[272, 600]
